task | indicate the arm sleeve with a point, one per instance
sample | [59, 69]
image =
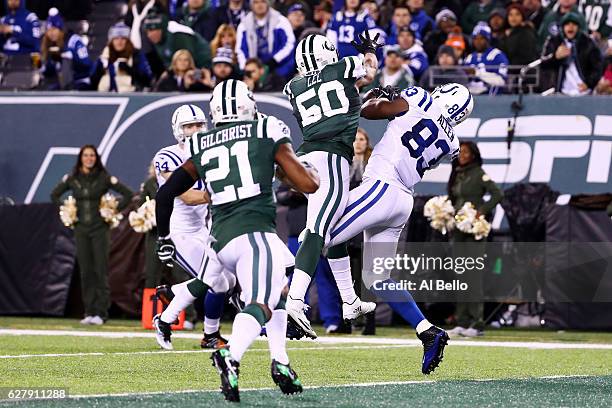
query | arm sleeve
[353, 67]
[494, 191]
[278, 131]
[59, 189]
[179, 182]
[126, 193]
[242, 49]
[97, 72]
[143, 73]
[286, 33]
[417, 98]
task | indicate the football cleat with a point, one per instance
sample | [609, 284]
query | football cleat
[163, 333]
[351, 311]
[286, 379]
[295, 312]
[293, 331]
[213, 341]
[434, 340]
[165, 294]
[228, 369]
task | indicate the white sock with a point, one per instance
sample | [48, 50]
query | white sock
[299, 284]
[423, 325]
[341, 268]
[276, 329]
[182, 299]
[244, 331]
[211, 325]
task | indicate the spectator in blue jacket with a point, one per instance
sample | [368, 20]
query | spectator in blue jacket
[401, 18]
[412, 52]
[346, 25]
[19, 30]
[421, 22]
[266, 34]
[121, 67]
[58, 48]
[490, 65]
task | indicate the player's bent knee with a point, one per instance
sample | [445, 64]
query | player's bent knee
[260, 312]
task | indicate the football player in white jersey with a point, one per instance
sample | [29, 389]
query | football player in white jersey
[188, 229]
[419, 135]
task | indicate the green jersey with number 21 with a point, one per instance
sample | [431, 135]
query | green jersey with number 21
[327, 105]
[236, 161]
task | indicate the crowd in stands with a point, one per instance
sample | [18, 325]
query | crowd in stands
[190, 45]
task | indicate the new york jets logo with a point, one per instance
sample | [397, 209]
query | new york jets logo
[329, 46]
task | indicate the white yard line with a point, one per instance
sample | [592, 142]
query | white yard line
[314, 387]
[323, 339]
[126, 353]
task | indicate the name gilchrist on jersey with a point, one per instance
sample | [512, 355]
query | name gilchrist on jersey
[225, 135]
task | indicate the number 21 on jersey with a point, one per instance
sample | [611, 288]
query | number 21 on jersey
[239, 154]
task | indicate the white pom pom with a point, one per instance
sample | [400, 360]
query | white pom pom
[53, 11]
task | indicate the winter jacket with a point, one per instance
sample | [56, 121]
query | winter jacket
[520, 45]
[589, 62]
[121, 76]
[25, 37]
[202, 21]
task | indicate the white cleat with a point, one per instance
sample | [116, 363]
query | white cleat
[351, 311]
[96, 321]
[163, 333]
[86, 320]
[295, 311]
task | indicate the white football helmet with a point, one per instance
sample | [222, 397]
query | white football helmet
[185, 115]
[232, 101]
[455, 101]
[314, 52]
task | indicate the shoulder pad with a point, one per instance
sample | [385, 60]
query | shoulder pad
[417, 98]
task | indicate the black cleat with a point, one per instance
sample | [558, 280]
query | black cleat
[165, 294]
[294, 332]
[213, 341]
[163, 333]
[228, 369]
[434, 340]
[286, 379]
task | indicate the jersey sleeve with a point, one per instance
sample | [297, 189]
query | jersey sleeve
[417, 98]
[276, 130]
[166, 161]
[353, 68]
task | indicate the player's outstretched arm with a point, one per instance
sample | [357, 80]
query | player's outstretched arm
[380, 108]
[180, 181]
[295, 173]
[367, 47]
[191, 196]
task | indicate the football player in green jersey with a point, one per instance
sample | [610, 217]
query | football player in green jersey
[326, 104]
[236, 161]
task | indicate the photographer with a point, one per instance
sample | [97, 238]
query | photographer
[258, 80]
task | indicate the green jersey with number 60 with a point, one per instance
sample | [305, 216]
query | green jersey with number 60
[236, 161]
[326, 105]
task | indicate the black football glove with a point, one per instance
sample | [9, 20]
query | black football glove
[367, 44]
[165, 250]
[390, 92]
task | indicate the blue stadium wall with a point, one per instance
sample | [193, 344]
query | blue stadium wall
[566, 142]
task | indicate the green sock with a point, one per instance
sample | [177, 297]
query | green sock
[308, 255]
[257, 312]
[197, 288]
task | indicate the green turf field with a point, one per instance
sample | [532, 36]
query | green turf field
[342, 371]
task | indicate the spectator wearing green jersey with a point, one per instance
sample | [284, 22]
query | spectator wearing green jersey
[168, 37]
[598, 15]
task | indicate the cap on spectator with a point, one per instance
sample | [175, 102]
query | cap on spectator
[498, 12]
[296, 7]
[445, 14]
[405, 29]
[448, 50]
[455, 40]
[55, 19]
[395, 49]
[224, 55]
[482, 29]
[572, 17]
[118, 30]
[153, 21]
[519, 7]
